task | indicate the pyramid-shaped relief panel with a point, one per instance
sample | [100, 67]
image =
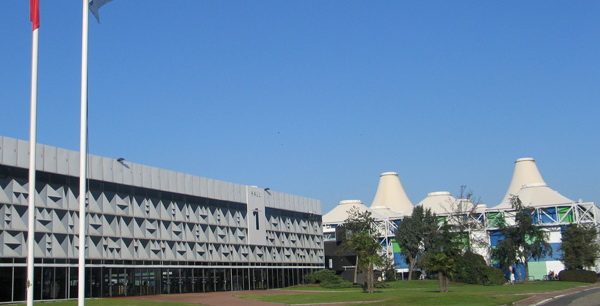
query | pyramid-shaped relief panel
[192, 212]
[43, 218]
[212, 234]
[95, 247]
[155, 249]
[177, 230]
[179, 211]
[164, 230]
[39, 246]
[60, 246]
[95, 224]
[138, 227]
[60, 221]
[19, 218]
[13, 243]
[18, 192]
[200, 251]
[204, 232]
[243, 219]
[166, 212]
[169, 250]
[55, 194]
[122, 203]
[153, 207]
[189, 231]
[221, 234]
[109, 225]
[203, 213]
[143, 249]
[211, 217]
[5, 190]
[73, 199]
[109, 203]
[126, 226]
[152, 228]
[5, 216]
[138, 206]
[127, 248]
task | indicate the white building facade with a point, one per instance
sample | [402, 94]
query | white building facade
[149, 230]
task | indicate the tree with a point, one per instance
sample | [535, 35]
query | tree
[441, 264]
[441, 256]
[362, 235]
[414, 234]
[579, 246]
[463, 216]
[521, 241]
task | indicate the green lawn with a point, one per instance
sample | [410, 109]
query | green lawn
[420, 293]
[401, 292]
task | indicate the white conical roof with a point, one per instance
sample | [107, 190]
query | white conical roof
[527, 183]
[339, 214]
[537, 195]
[391, 194]
[440, 202]
[526, 173]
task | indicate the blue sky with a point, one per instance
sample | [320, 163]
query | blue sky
[317, 98]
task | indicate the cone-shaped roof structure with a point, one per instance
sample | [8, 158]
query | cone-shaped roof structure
[440, 202]
[391, 194]
[526, 173]
[339, 214]
[527, 183]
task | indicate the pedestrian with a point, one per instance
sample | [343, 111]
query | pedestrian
[512, 275]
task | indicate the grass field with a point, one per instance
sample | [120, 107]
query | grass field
[399, 293]
[420, 293]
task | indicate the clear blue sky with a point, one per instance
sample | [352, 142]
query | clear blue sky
[317, 98]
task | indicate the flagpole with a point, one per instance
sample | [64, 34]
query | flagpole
[32, 157]
[83, 154]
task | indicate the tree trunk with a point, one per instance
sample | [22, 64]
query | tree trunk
[356, 270]
[370, 277]
[443, 283]
[525, 263]
[411, 266]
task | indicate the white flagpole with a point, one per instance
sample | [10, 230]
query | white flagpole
[83, 154]
[32, 155]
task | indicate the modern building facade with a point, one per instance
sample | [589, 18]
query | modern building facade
[551, 211]
[149, 230]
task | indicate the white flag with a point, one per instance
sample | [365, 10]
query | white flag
[95, 5]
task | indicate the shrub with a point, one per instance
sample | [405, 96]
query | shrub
[472, 269]
[327, 279]
[493, 277]
[578, 276]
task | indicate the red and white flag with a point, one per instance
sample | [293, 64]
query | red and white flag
[34, 13]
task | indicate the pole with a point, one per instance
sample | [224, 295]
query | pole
[32, 155]
[83, 154]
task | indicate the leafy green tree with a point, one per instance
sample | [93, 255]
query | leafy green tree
[579, 246]
[440, 257]
[522, 241]
[441, 264]
[362, 238]
[416, 233]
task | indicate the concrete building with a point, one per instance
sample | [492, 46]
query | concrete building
[149, 230]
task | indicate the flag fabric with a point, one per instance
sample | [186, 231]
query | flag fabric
[34, 14]
[95, 5]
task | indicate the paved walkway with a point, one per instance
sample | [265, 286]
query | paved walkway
[231, 297]
[539, 298]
